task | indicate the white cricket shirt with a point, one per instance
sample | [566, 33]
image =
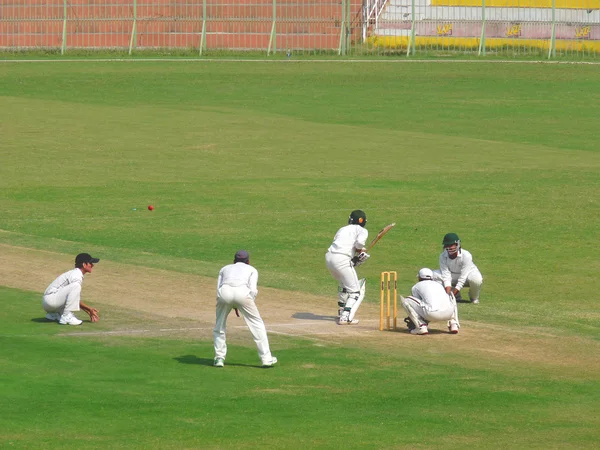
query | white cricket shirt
[72, 276]
[459, 267]
[239, 274]
[432, 294]
[348, 239]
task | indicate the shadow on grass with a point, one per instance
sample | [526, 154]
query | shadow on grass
[192, 359]
[424, 336]
[42, 320]
[311, 316]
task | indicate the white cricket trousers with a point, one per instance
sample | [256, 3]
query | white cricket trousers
[229, 297]
[474, 282]
[341, 268]
[414, 306]
[65, 300]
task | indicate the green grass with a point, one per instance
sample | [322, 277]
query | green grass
[504, 155]
[272, 158]
[65, 391]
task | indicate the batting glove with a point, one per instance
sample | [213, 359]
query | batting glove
[360, 258]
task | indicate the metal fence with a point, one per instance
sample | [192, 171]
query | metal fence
[346, 27]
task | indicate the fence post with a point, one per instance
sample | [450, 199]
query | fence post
[365, 19]
[411, 39]
[273, 38]
[63, 47]
[348, 27]
[482, 39]
[342, 44]
[203, 36]
[552, 50]
[133, 28]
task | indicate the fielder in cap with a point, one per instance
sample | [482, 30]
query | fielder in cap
[63, 296]
[429, 302]
[345, 254]
[237, 288]
[457, 269]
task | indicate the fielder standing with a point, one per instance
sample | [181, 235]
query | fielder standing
[345, 254]
[429, 302]
[237, 288]
[63, 296]
[458, 270]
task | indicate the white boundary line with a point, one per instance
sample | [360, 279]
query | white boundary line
[285, 61]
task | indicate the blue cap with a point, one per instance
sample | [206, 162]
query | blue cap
[241, 256]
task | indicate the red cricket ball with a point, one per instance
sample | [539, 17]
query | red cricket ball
[150, 208]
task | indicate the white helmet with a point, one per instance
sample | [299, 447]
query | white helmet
[425, 274]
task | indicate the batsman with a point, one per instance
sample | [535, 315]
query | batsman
[343, 256]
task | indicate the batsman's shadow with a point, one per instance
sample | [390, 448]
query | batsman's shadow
[311, 316]
[192, 359]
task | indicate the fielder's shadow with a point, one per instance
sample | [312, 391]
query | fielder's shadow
[42, 320]
[192, 359]
[311, 316]
[431, 331]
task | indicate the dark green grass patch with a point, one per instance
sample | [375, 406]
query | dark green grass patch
[61, 389]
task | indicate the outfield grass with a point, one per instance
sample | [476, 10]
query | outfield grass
[64, 391]
[272, 157]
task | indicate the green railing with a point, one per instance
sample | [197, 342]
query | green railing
[546, 28]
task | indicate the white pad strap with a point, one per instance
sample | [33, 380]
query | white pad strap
[342, 296]
[361, 296]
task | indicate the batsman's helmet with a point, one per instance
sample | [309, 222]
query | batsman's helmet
[358, 217]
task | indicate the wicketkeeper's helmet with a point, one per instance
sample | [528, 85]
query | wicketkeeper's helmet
[358, 217]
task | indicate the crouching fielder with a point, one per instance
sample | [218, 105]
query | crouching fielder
[429, 302]
[457, 270]
[349, 241]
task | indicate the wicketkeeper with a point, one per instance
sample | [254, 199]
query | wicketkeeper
[429, 302]
[345, 254]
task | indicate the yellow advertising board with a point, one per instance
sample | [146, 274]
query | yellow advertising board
[560, 4]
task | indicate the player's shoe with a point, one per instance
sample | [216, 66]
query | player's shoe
[69, 319]
[55, 317]
[453, 327]
[475, 301]
[342, 321]
[270, 364]
[421, 330]
[219, 362]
